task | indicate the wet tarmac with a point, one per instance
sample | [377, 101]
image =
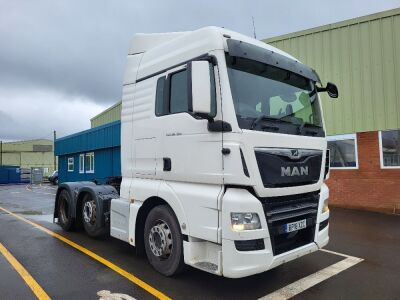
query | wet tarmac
[67, 272]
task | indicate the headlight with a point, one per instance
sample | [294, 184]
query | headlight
[325, 207]
[245, 221]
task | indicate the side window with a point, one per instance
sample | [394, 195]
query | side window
[343, 151]
[389, 142]
[70, 164]
[81, 163]
[213, 93]
[178, 100]
[89, 162]
[160, 96]
[178, 92]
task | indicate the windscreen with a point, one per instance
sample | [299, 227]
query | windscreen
[264, 94]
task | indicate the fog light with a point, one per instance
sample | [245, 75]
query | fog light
[325, 207]
[245, 221]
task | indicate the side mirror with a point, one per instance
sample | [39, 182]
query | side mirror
[201, 88]
[332, 90]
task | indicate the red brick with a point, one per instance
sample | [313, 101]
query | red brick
[369, 187]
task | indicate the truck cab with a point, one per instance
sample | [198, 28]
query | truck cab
[223, 154]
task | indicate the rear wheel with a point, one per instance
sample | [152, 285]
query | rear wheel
[163, 241]
[64, 219]
[90, 217]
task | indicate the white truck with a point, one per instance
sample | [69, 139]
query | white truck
[223, 155]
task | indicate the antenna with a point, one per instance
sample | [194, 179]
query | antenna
[254, 28]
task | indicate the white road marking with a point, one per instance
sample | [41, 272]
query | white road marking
[311, 280]
[107, 295]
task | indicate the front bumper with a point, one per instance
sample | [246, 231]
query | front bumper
[244, 263]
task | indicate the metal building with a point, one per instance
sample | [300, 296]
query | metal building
[90, 155]
[28, 154]
[111, 114]
[362, 56]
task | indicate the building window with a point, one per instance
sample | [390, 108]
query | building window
[343, 151]
[389, 149]
[82, 163]
[70, 164]
[89, 162]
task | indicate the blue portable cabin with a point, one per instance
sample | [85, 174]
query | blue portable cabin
[10, 174]
[90, 155]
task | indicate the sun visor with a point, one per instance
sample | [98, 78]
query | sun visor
[249, 51]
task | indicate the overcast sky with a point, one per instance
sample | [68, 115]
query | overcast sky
[62, 62]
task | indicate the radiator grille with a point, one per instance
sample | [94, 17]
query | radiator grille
[282, 210]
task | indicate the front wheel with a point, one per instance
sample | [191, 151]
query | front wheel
[91, 217]
[163, 241]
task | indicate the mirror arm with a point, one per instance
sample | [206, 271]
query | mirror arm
[219, 126]
[205, 116]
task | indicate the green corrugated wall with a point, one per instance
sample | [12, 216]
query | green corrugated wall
[111, 114]
[25, 155]
[362, 56]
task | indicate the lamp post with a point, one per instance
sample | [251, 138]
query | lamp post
[54, 144]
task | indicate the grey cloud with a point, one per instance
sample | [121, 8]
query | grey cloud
[77, 48]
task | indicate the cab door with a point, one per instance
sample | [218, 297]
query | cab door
[188, 155]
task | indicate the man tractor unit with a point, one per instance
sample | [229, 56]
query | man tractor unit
[223, 157]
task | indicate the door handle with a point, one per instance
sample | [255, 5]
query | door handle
[167, 164]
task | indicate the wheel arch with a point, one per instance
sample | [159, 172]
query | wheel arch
[77, 190]
[102, 195]
[145, 209]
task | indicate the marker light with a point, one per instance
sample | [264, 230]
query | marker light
[325, 207]
[245, 221]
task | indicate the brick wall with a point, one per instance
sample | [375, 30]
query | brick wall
[369, 187]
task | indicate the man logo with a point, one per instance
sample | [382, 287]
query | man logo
[294, 171]
[295, 152]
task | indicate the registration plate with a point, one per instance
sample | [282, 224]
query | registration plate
[295, 226]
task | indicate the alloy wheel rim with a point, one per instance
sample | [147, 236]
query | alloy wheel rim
[89, 212]
[160, 240]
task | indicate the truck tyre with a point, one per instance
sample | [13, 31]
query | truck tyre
[90, 219]
[163, 241]
[64, 219]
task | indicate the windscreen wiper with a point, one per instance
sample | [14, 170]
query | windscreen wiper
[306, 124]
[267, 118]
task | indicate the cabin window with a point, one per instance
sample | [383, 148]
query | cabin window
[174, 97]
[343, 151]
[213, 111]
[70, 164]
[179, 92]
[89, 162]
[389, 149]
[160, 96]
